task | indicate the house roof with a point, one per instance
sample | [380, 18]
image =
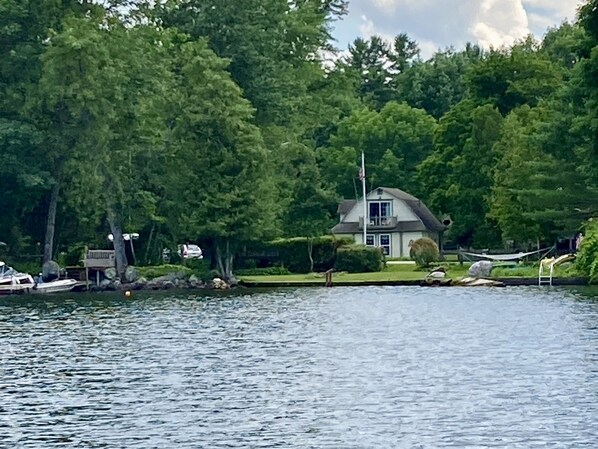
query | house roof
[428, 220]
[402, 226]
[345, 206]
[418, 208]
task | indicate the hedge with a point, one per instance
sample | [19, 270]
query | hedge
[359, 259]
[292, 254]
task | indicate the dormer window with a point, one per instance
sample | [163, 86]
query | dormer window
[380, 212]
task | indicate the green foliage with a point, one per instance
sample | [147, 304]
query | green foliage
[457, 176]
[293, 254]
[359, 259]
[424, 251]
[394, 140]
[163, 270]
[269, 271]
[587, 255]
[217, 121]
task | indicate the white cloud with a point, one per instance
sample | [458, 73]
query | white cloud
[499, 22]
[441, 23]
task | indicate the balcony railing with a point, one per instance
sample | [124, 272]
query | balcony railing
[379, 222]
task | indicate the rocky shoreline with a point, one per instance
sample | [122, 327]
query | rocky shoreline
[166, 282]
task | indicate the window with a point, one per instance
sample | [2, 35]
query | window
[385, 243]
[380, 212]
[370, 240]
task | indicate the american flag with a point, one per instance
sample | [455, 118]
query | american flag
[362, 169]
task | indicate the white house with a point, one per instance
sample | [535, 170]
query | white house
[395, 219]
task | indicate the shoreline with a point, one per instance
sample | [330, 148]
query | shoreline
[509, 282]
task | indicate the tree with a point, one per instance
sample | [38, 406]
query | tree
[99, 93]
[457, 176]
[374, 65]
[404, 131]
[437, 84]
[217, 171]
[514, 77]
[312, 204]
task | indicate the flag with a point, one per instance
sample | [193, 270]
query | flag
[362, 169]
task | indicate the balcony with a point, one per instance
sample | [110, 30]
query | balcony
[379, 222]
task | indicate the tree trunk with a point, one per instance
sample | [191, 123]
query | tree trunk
[51, 223]
[149, 245]
[225, 262]
[310, 253]
[119, 242]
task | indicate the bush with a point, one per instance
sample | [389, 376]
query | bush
[292, 253]
[162, 270]
[359, 259]
[587, 255]
[424, 251]
[269, 271]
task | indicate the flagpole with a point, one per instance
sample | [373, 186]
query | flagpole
[365, 203]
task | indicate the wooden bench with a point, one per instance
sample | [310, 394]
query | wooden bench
[99, 260]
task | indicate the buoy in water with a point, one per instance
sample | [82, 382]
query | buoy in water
[128, 294]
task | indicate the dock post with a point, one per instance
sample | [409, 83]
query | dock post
[329, 278]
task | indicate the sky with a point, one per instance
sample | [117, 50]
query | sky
[438, 24]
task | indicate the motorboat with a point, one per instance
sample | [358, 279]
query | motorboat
[57, 286]
[11, 281]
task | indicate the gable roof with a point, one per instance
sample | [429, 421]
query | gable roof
[345, 206]
[418, 208]
[428, 220]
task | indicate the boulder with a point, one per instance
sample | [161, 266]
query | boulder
[131, 274]
[219, 284]
[480, 269]
[110, 273]
[50, 271]
[139, 284]
[194, 282]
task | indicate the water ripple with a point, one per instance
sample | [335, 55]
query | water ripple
[390, 367]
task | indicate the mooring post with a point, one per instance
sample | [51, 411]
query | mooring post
[329, 278]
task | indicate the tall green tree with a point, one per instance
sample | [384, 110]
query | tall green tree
[457, 176]
[404, 131]
[217, 184]
[99, 93]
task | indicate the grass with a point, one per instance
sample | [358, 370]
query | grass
[408, 272]
[391, 273]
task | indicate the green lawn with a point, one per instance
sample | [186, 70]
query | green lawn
[402, 272]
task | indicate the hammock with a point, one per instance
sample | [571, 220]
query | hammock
[506, 257]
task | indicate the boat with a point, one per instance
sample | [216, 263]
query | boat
[57, 286]
[11, 281]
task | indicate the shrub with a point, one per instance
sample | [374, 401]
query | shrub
[269, 271]
[292, 253]
[162, 270]
[358, 259]
[424, 251]
[587, 255]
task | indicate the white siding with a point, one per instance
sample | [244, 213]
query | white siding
[396, 245]
[399, 208]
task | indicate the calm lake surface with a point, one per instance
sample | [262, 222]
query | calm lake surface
[373, 367]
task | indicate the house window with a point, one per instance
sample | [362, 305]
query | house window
[380, 213]
[370, 240]
[385, 243]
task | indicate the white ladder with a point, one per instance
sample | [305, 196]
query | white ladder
[543, 277]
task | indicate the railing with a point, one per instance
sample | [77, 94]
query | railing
[379, 222]
[100, 258]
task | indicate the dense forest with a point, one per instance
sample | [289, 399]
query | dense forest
[228, 123]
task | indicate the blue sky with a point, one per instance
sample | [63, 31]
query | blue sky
[438, 24]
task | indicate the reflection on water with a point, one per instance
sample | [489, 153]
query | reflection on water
[391, 367]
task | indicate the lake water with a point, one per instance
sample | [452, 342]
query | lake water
[388, 367]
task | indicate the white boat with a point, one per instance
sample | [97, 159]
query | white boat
[57, 286]
[11, 281]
